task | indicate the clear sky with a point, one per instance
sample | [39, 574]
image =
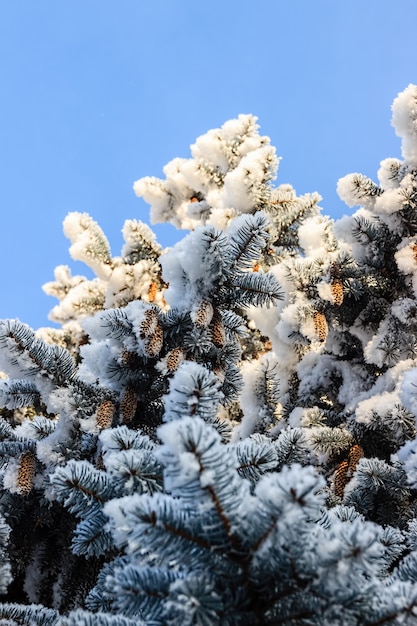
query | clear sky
[98, 93]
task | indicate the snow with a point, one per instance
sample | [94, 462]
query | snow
[193, 390]
[222, 218]
[357, 189]
[121, 438]
[342, 228]
[154, 191]
[406, 256]
[305, 417]
[182, 267]
[185, 442]
[236, 138]
[289, 321]
[9, 475]
[210, 148]
[388, 173]
[134, 233]
[390, 381]
[242, 184]
[346, 190]
[324, 289]
[294, 491]
[250, 401]
[408, 390]
[89, 244]
[404, 309]
[404, 120]
[50, 450]
[374, 352]
[354, 541]
[96, 359]
[124, 465]
[407, 455]
[35, 575]
[389, 201]
[63, 282]
[314, 234]
[355, 379]
[28, 429]
[115, 511]
[79, 300]
[224, 148]
[169, 199]
[380, 404]
[226, 173]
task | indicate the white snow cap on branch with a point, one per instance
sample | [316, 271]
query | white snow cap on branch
[358, 190]
[89, 243]
[230, 170]
[404, 120]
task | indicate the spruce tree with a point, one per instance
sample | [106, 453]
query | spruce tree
[223, 432]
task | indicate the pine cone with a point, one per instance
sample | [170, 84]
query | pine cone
[355, 455]
[26, 473]
[127, 357]
[99, 462]
[149, 323]
[174, 358]
[340, 478]
[152, 291]
[320, 325]
[128, 404]
[203, 315]
[105, 413]
[218, 334]
[337, 291]
[155, 342]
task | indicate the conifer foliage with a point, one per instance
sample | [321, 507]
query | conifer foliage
[224, 432]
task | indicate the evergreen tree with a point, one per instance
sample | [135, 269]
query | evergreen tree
[223, 432]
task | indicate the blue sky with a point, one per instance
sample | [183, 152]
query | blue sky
[98, 93]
